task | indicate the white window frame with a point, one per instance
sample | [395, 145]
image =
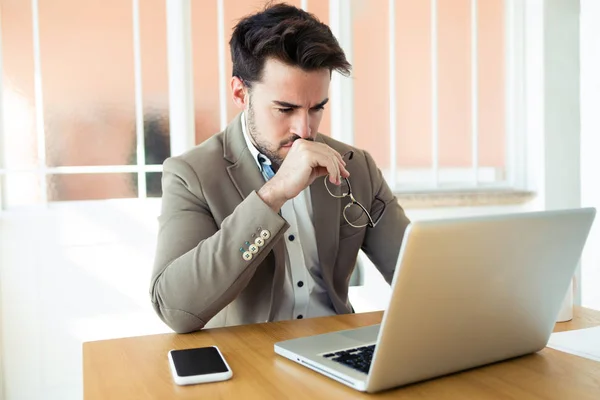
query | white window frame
[2, 143]
[181, 75]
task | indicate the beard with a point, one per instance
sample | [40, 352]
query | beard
[261, 145]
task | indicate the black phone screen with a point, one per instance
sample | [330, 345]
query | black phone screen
[199, 361]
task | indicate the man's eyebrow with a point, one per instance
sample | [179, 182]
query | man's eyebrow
[285, 104]
[321, 104]
[295, 106]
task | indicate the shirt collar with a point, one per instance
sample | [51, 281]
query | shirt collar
[253, 150]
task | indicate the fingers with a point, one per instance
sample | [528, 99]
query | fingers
[334, 177]
[324, 160]
[339, 157]
[337, 165]
[327, 164]
[343, 172]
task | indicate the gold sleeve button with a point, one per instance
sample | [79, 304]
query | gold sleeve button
[265, 234]
[247, 256]
[259, 242]
[253, 249]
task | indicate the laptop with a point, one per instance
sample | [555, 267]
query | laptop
[466, 292]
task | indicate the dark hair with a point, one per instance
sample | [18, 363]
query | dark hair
[288, 34]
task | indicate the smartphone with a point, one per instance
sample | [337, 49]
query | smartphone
[198, 365]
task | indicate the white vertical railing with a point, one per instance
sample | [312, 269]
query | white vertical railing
[39, 103]
[474, 94]
[222, 72]
[342, 92]
[3, 151]
[434, 96]
[304, 4]
[515, 104]
[392, 98]
[509, 87]
[139, 105]
[181, 82]
[336, 82]
[2, 205]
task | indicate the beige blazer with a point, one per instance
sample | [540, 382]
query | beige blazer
[210, 210]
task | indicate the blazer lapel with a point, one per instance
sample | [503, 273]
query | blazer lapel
[245, 175]
[243, 171]
[326, 214]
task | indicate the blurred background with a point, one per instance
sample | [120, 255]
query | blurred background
[468, 106]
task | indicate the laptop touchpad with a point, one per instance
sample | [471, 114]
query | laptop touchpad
[362, 335]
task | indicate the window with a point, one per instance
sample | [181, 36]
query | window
[435, 91]
[429, 91]
[85, 111]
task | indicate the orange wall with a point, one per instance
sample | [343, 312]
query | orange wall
[206, 68]
[413, 83]
[413, 87]
[492, 109]
[18, 86]
[371, 92]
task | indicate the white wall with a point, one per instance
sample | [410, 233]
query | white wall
[69, 275]
[590, 145]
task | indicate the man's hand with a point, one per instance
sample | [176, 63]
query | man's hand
[305, 162]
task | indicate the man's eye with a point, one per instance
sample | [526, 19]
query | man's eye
[320, 108]
[285, 110]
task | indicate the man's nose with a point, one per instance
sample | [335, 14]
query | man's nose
[301, 126]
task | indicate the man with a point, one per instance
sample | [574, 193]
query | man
[256, 223]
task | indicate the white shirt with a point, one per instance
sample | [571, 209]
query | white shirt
[304, 294]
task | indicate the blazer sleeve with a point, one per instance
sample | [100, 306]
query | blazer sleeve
[382, 243]
[199, 268]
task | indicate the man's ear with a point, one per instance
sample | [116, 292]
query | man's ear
[239, 93]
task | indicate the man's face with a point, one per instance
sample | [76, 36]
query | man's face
[287, 104]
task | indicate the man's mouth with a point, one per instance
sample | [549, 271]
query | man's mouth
[291, 142]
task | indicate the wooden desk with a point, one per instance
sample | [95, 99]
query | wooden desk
[137, 368]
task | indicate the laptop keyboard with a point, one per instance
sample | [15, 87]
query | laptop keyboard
[358, 358]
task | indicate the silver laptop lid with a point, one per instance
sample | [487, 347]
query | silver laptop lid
[468, 292]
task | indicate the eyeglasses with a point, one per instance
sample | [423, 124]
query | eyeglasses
[354, 213]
